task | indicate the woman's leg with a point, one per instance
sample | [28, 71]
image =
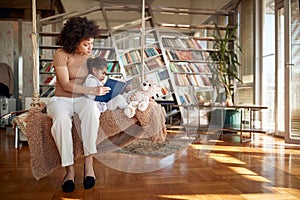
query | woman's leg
[61, 112]
[88, 163]
[89, 118]
[70, 173]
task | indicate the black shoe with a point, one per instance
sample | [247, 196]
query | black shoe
[68, 186]
[89, 182]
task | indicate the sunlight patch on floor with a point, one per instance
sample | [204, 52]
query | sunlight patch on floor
[252, 196]
[269, 196]
[249, 174]
[225, 158]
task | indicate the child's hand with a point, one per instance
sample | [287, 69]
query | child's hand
[101, 90]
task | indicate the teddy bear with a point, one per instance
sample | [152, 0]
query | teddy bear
[138, 98]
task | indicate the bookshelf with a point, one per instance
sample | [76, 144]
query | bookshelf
[176, 61]
[192, 71]
[46, 70]
[173, 60]
[129, 54]
[105, 49]
[47, 79]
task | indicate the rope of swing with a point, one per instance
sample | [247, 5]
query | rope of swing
[35, 104]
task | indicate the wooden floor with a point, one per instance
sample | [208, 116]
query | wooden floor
[260, 170]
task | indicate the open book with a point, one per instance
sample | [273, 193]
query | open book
[117, 87]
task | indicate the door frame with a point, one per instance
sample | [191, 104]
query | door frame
[287, 71]
[279, 4]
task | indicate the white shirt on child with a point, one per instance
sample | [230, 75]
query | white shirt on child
[93, 81]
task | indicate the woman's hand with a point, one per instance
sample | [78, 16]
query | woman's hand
[101, 90]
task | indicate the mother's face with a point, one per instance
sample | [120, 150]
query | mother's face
[85, 46]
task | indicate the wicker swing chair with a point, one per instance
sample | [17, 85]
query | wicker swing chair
[116, 130]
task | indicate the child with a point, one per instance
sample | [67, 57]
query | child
[97, 68]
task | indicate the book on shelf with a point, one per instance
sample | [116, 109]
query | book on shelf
[187, 99]
[183, 43]
[154, 63]
[135, 55]
[151, 51]
[202, 67]
[117, 86]
[47, 67]
[163, 75]
[113, 67]
[49, 79]
[173, 42]
[130, 57]
[185, 67]
[196, 80]
[185, 55]
[108, 54]
[206, 80]
[132, 70]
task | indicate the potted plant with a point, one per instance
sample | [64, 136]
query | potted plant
[226, 57]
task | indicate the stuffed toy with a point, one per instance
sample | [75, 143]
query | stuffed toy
[137, 98]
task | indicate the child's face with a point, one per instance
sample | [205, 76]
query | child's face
[100, 73]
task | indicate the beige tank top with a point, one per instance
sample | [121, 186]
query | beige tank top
[77, 69]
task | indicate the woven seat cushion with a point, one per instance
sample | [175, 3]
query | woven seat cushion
[116, 130]
[20, 121]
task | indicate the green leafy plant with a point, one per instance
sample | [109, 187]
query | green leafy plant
[226, 57]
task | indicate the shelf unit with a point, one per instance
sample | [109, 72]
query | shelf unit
[191, 68]
[128, 45]
[188, 77]
[105, 49]
[46, 71]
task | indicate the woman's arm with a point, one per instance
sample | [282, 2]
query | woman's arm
[62, 75]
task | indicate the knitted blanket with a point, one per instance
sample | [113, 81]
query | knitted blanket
[116, 130]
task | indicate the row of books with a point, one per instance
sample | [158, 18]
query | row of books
[113, 67]
[182, 43]
[48, 79]
[135, 56]
[132, 70]
[195, 80]
[195, 99]
[185, 55]
[188, 99]
[155, 63]
[108, 54]
[47, 92]
[150, 65]
[189, 67]
[47, 67]
[152, 51]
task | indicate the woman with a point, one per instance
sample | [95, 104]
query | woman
[76, 39]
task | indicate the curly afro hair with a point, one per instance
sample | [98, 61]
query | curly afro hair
[97, 62]
[74, 31]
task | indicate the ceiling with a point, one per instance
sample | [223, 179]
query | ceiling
[180, 12]
[118, 12]
[113, 16]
